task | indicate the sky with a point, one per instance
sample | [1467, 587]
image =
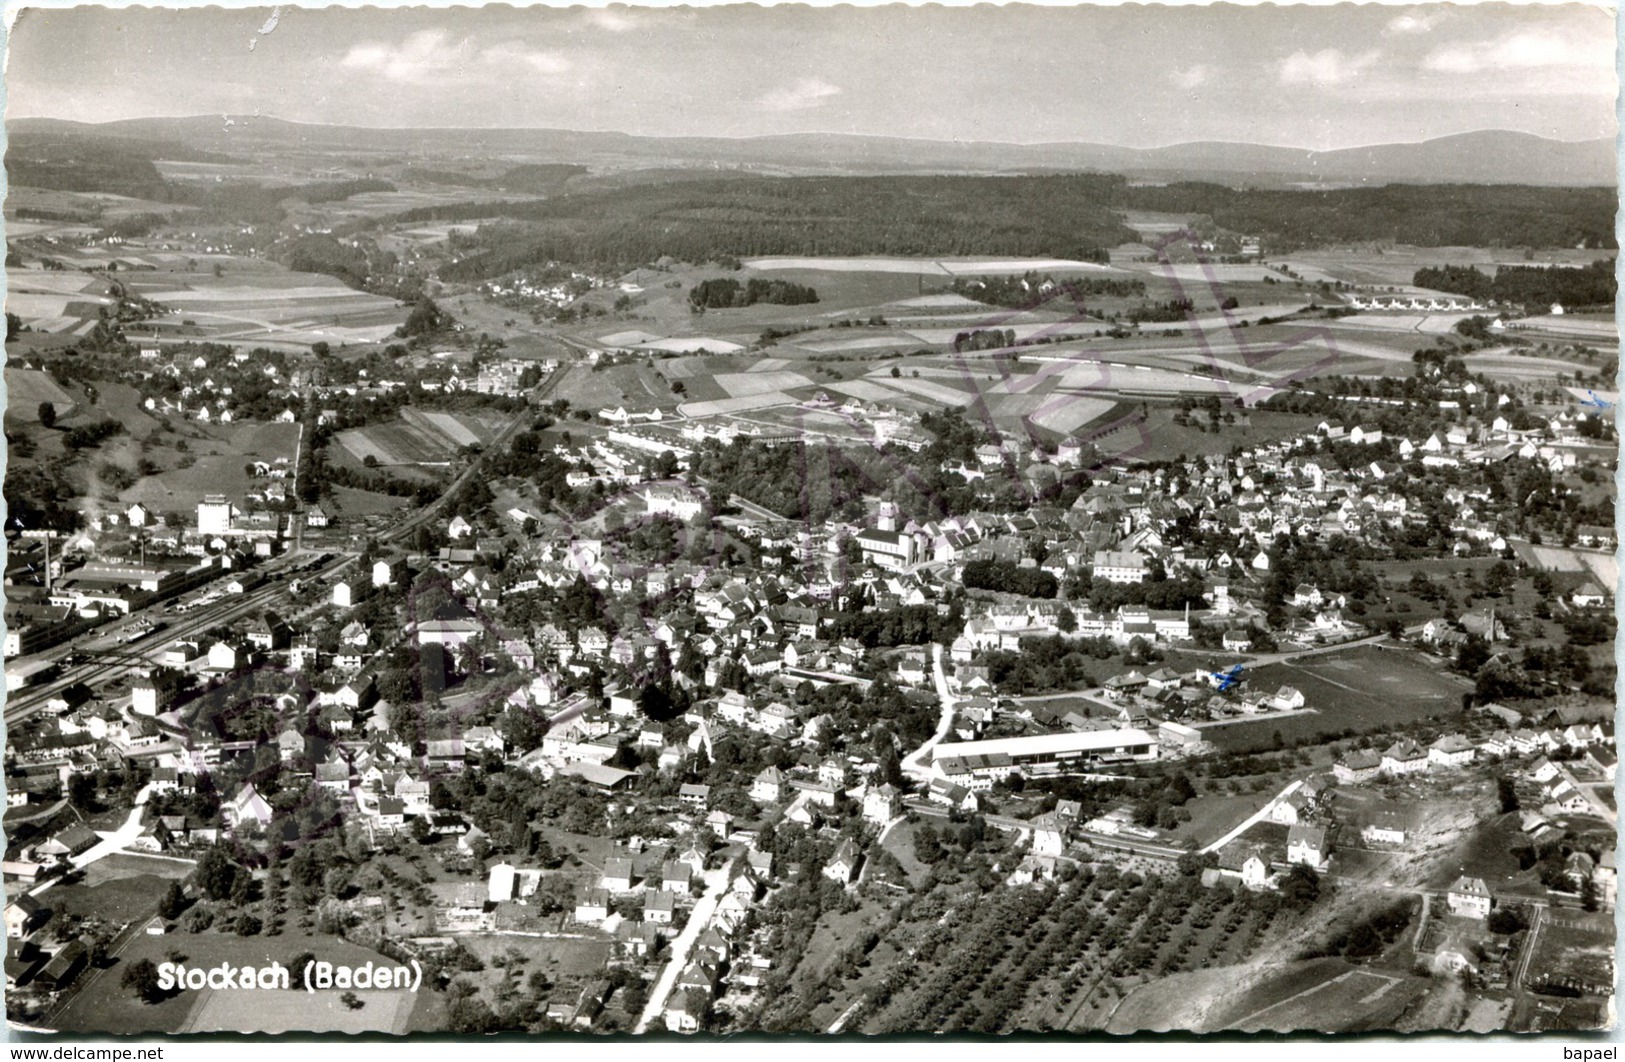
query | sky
[1313, 77]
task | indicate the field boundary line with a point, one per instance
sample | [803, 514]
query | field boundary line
[1293, 998]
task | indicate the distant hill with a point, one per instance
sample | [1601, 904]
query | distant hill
[1488, 157]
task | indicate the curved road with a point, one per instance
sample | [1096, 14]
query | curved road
[913, 763]
[716, 883]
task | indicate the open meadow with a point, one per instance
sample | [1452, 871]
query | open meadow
[1393, 267]
[103, 1005]
[218, 455]
[27, 388]
[1362, 689]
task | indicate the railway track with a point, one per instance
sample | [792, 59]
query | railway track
[29, 703]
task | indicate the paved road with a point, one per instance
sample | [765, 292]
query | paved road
[1064, 695]
[914, 763]
[716, 883]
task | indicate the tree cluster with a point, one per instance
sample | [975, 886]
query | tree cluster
[721, 293]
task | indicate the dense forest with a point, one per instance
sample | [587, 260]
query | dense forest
[1464, 215]
[528, 179]
[353, 263]
[1071, 216]
[1533, 286]
[1075, 216]
[698, 221]
[720, 293]
[118, 165]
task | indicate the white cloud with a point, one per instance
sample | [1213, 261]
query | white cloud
[1190, 77]
[421, 56]
[1523, 50]
[805, 94]
[1413, 23]
[431, 56]
[613, 20]
[1326, 67]
[540, 61]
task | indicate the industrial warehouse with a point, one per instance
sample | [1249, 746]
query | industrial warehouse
[984, 762]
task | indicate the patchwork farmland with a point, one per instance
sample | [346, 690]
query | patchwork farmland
[419, 438]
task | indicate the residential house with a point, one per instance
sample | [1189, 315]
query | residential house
[843, 865]
[1307, 845]
[1357, 766]
[1404, 757]
[1451, 750]
[618, 875]
[22, 916]
[768, 786]
[593, 907]
[881, 803]
[1469, 898]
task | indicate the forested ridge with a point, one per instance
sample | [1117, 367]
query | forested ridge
[1433, 215]
[1070, 216]
[1592, 285]
[721, 218]
[1066, 216]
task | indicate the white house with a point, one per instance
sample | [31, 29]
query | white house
[1469, 898]
[1306, 845]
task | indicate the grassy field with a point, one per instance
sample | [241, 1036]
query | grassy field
[739, 385]
[1213, 816]
[560, 957]
[1165, 1004]
[636, 386]
[103, 1005]
[1485, 852]
[1060, 388]
[1323, 995]
[1361, 689]
[352, 502]
[54, 300]
[27, 388]
[942, 267]
[1395, 266]
[120, 888]
[381, 1011]
[220, 451]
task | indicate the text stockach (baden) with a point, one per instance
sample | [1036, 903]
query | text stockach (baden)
[319, 976]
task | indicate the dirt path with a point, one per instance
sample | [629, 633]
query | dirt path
[1256, 817]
